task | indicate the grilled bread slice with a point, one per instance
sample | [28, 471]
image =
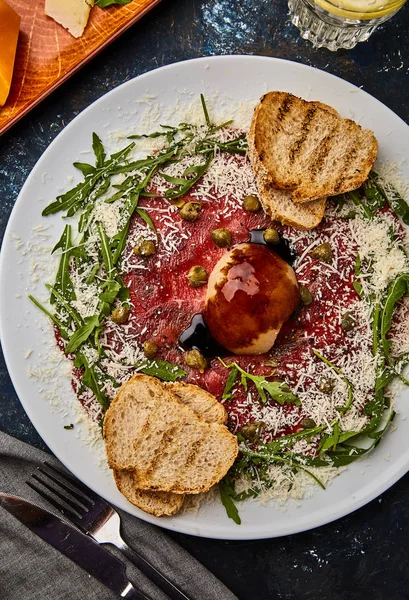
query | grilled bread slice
[159, 504]
[148, 430]
[278, 203]
[310, 150]
[207, 407]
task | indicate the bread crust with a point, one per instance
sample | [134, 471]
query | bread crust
[278, 204]
[308, 149]
[160, 414]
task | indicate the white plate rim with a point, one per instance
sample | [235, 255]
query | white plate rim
[188, 524]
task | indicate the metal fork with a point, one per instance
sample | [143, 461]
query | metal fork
[94, 516]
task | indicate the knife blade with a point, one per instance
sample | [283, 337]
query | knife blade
[76, 546]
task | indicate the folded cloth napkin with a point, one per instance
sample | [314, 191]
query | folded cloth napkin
[30, 569]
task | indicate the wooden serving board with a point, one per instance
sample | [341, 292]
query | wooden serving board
[47, 54]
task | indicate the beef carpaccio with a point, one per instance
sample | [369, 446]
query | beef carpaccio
[298, 409]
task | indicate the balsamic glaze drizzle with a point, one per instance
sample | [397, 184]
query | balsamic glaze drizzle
[197, 335]
[282, 248]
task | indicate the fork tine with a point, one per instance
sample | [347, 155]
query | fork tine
[57, 505]
[77, 507]
[86, 502]
[74, 482]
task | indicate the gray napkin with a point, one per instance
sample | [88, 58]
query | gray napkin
[30, 569]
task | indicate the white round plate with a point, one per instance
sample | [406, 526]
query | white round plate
[228, 79]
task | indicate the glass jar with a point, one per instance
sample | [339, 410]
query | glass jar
[336, 24]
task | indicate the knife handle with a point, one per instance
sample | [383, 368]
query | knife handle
[151, 572]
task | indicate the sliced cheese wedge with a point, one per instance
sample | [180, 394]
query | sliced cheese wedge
[9, 28]
[71, 14]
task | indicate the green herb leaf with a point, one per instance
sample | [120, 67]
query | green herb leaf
[187, 183]
[206, 114]
[97, 145]
[82, 333]
[144, 215]
[106, 3]
[162, 369]
[90, 379]
[85, 168]
[390, 194]
[231, 380]
[63, 283]
[397, 289]
[71, 311]
[278, 390]
[226, 496]
[61, 327]
[105, 251]
[110, 292]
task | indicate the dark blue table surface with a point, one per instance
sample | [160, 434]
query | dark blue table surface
[364, 555]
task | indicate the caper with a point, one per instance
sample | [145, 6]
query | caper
[197, 276]
[145, 248]
[325, 385]
[221, 237]
[251, 431]
[190, 211]
[322, 252]
[347, 321]
[308, 423]
[120, 315]
[271, 236]
[150, 349]
[305, 295]
[196, 360]
[251, 204]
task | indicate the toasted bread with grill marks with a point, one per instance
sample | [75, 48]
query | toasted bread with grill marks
[278, 204]
[205, 406]
[148, 430]
[155, 503]
[308, 149]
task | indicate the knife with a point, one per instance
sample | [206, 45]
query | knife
[77, 546]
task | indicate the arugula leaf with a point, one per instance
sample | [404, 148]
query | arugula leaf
[375, 198]
[183, 184]
[357, 285]
[231, 380]
[93, 273]
[162, 369]
[74, 198]
[391, 196]
[63, 283]
[97, 145]
[271, 457]
[105, 250]
[82, 333]
[60, 325]
[278, 390]
[144, 215]
[357, 200]
[110, 292]
[397, 289]
[71, 311]
[226, 497]
[345, 454]
[206, 114]
[106, 3]
[90, 379]
[85, 168]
